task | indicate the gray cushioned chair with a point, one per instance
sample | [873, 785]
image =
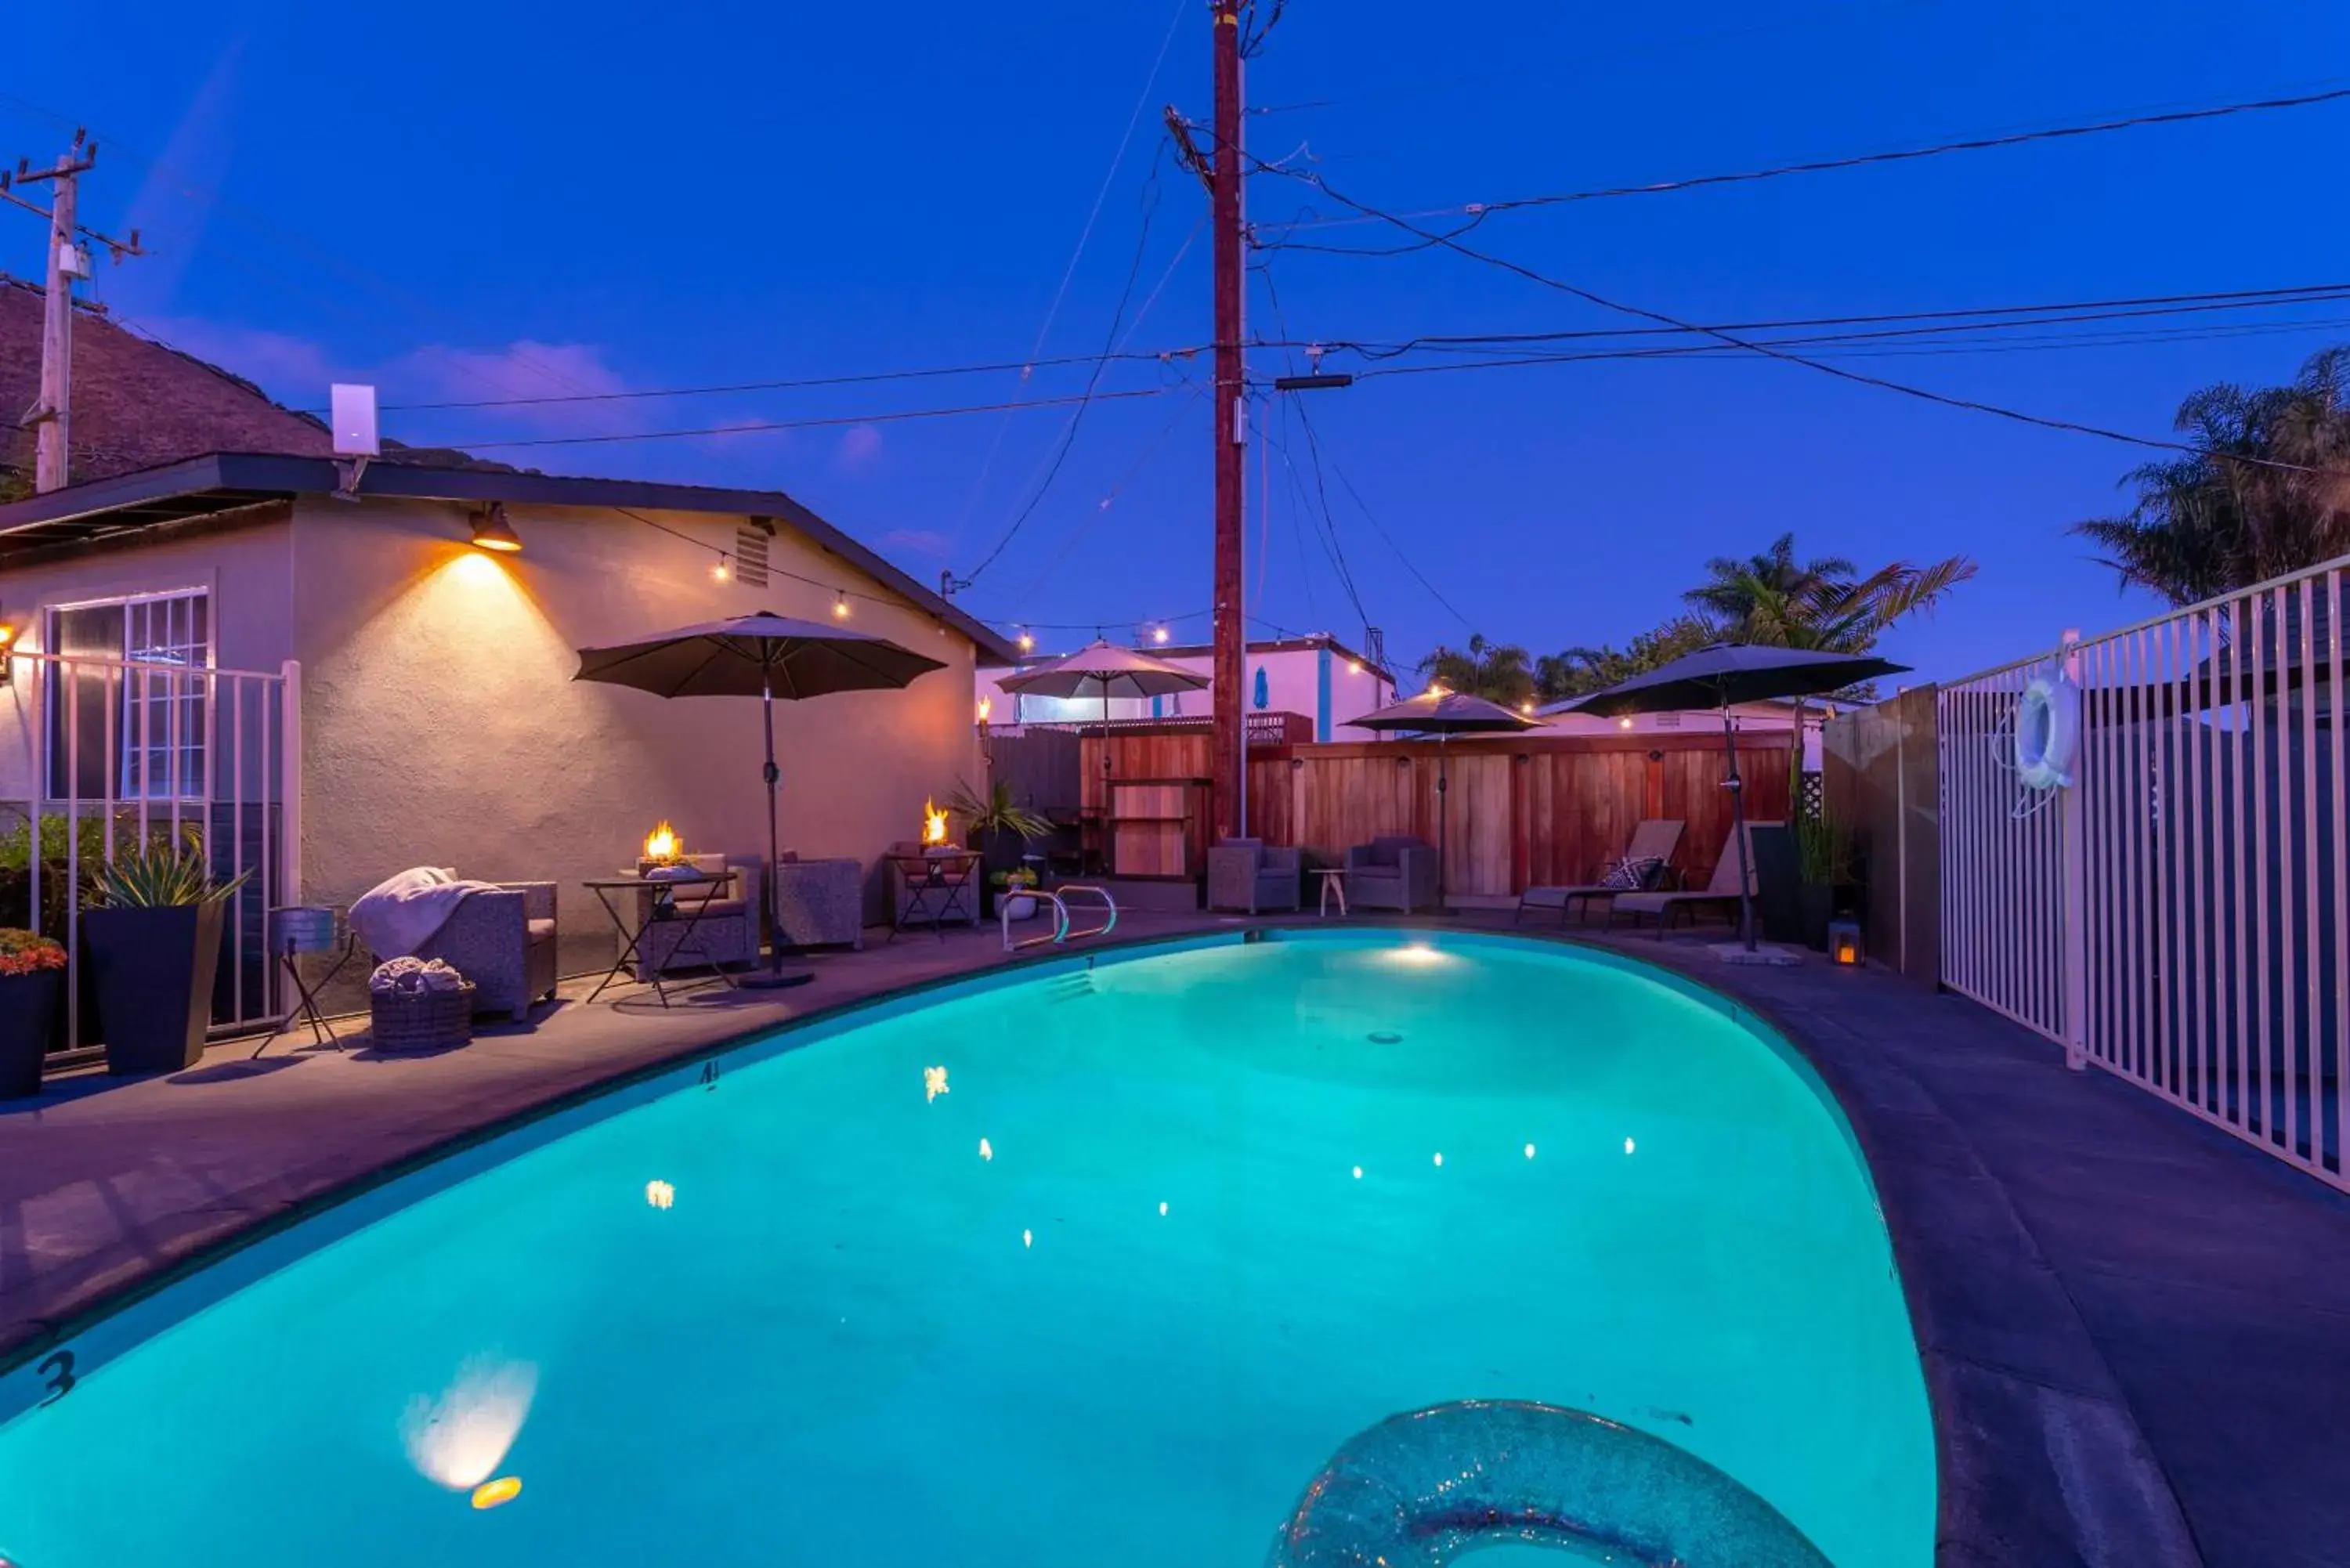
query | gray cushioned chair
[504, 943]
[1246, 874]
[1393, 873]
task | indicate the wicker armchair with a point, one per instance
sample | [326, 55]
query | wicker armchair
[1246, 874]
[504, 943]
[820, 903]
[1393, 873]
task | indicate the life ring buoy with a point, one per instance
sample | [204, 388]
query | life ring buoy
[2047, 732]
[1423, 1487]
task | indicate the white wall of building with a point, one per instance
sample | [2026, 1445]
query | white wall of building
[1320, 679]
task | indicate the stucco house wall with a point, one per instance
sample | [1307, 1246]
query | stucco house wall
[441, 724]
[247, 568]
[440, 720]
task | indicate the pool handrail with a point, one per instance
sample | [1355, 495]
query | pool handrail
[1060, 933]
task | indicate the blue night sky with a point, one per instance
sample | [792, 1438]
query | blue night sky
[460, 202]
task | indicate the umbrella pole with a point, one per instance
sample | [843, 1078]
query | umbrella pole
[1738, 831]
[1444, 826]
[768, 905]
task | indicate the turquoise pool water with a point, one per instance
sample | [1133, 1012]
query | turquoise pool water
[1177, 1227]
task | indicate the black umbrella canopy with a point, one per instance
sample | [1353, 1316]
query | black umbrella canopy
[1725, 674]
[753, 654]
[1103, 668]
[1436, 711]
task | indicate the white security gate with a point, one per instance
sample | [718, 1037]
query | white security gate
[2182, 917]
[99, 755]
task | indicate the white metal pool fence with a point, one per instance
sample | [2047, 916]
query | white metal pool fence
[101, 755]
[2181, 917]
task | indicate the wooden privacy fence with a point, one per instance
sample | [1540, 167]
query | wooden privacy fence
[1526, 810]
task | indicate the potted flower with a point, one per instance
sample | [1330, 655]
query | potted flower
[32, 988]
[152, 935]
[1014, 891]
[1000, 828]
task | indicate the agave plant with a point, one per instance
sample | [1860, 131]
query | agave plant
[158, 876]
[996, 812]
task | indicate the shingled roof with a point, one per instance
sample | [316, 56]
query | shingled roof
[138, 404]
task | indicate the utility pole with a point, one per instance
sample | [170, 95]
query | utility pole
[1228, 671]
[52, 416]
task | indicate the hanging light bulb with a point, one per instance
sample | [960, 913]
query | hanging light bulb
[721, 571]
[840, 606]
[1027, 643]
[1159, 634]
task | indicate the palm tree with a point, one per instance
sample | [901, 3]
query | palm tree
[1578, 671]
[1498, 673]
[1726, 594]
[2212, 521]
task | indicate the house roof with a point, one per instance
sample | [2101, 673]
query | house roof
[140, 404]
[226, 481]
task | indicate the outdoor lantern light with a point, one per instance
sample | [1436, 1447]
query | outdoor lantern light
[986, 707]
[7, 645]
[1843, 944]
[491, 532]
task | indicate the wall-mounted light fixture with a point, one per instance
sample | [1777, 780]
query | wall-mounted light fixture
[492, 532]
[7, 647]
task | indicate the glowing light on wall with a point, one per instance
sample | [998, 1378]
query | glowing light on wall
[506, 1488]
[460, 1439]
[934, 1084]
[1354, 667]
[659, 1194]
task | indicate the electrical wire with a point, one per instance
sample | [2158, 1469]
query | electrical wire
[1117, 160]
[894, 417]
[1371, 517]
[837, 591]
[1839, 372]
[1038, 488]
[1478, 212]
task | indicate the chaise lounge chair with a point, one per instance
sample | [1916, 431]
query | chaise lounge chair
[1639, 869]
[1720, 892]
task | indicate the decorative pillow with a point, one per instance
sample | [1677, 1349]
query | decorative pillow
[1633, 875]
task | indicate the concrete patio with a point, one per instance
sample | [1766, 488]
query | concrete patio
[2133, 1330]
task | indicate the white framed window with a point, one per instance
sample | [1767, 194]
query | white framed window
[128, 715]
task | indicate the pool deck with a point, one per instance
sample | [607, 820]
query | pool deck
[2135, 1330]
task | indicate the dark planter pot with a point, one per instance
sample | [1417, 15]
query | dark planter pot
[29, 1004]
[1778, 879]
[998, 851]
[153, 970]
[1819, 906]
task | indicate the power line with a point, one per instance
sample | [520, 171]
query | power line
[893, 417]
[1964, 318]
[1476, 212]
[1109, 177]
[1857, 378]
[1109, 345]
[1363, 506]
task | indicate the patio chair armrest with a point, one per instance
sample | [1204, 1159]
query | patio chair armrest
[537, 898]
[1359, 856]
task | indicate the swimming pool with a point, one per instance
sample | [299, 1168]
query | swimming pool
[1075, 1265]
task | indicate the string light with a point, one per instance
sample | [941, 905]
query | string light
[1027, 643]
[1159, 634]
[721, 571]
[840, 607]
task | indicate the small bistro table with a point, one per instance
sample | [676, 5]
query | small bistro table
[938, 886]
[1334, 880]
[665, 906]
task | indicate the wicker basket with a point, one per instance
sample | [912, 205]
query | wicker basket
[422, 1020]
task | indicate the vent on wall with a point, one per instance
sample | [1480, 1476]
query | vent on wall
[751, 556]
[1668, 720]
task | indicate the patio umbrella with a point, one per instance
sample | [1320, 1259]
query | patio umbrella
[1719, 676]
[1104, 669]
[1444, 714]
[766, 656]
